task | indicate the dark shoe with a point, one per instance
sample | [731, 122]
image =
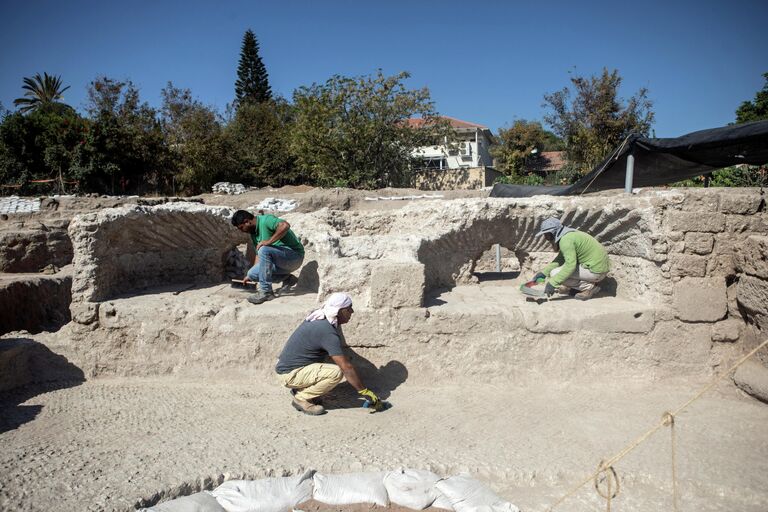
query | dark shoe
[587, 294]
[261, 296]
[307, 407]
[289, 283]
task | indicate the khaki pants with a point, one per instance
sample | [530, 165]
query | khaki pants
[582, 279]
[313, 380]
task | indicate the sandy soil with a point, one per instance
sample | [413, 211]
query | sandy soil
[114, 444]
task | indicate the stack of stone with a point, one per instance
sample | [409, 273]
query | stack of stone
[224, 187]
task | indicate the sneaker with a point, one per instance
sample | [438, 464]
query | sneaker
[261, 296]
[289, 283]
[307, 407]
[587, 294]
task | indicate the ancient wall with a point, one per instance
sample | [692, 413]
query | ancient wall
[131, 249]
[35, 303]
[686, 285]
[31, 244]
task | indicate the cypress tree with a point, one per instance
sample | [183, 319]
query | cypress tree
[252, 80]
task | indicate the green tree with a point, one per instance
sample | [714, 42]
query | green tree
[596, 121]
[754, 110]
[353, 132]
[195, 136]
[252, 83]
[515, 145]
[125, 150]
[44, 144]
[259, 135]
[40, 91]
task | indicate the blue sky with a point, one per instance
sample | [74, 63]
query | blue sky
[486, 62]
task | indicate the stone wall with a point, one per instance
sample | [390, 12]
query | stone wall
[452, 179]
[688, 278]
[31, 244]
[128, 250]
[35, 303]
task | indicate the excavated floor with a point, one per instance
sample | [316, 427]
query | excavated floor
[114, 444]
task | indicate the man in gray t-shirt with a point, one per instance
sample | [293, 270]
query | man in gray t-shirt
[301, 365]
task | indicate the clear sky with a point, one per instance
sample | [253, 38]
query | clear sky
[485, 62]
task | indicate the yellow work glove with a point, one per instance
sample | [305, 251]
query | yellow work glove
[374, 402]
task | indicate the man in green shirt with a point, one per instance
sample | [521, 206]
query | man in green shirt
[581, 262]
[277, 253]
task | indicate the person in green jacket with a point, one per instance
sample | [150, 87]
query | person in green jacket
[581, 261]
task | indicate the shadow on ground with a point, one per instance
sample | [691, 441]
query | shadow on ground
[28, 369]
[496, 276]
[381, 379]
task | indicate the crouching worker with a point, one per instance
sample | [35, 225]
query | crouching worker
[581, 262]
[277, 253]
[301, 365]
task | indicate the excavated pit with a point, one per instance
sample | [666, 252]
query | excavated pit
[449, 341]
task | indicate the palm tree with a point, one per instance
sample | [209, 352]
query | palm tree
[40, 91]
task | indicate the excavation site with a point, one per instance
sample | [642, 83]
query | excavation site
[135, 375]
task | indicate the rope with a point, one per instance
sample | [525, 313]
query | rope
[637, 442]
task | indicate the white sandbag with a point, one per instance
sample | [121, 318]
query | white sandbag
[412, 488]
[266, 495]
[349, 488]
[468, 495]
[199, 502]
[441, 501]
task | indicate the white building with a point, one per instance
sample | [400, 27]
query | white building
[470, 149]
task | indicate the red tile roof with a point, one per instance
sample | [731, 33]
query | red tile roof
[455, 123]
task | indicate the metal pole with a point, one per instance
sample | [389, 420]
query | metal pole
[498, 258]
[630, 174]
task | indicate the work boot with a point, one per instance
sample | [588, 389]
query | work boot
[316, 401]
[261, 296]
[307, 407]
[587, 294]
[289, 283]
[563, 290]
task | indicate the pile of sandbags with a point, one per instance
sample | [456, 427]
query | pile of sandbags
[16, 204]
[411, 488]
[276, 204]
[225, 187]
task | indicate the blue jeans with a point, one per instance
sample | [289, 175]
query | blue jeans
[275, 263]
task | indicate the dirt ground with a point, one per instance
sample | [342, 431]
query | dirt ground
[115, 444]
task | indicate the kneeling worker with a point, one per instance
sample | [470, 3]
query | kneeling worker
[277, 253]
[581, 262]
[301, 365]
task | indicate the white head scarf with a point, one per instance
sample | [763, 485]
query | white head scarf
[330, 309]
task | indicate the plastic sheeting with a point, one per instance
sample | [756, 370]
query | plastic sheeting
[412, 488]
[661, 161]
